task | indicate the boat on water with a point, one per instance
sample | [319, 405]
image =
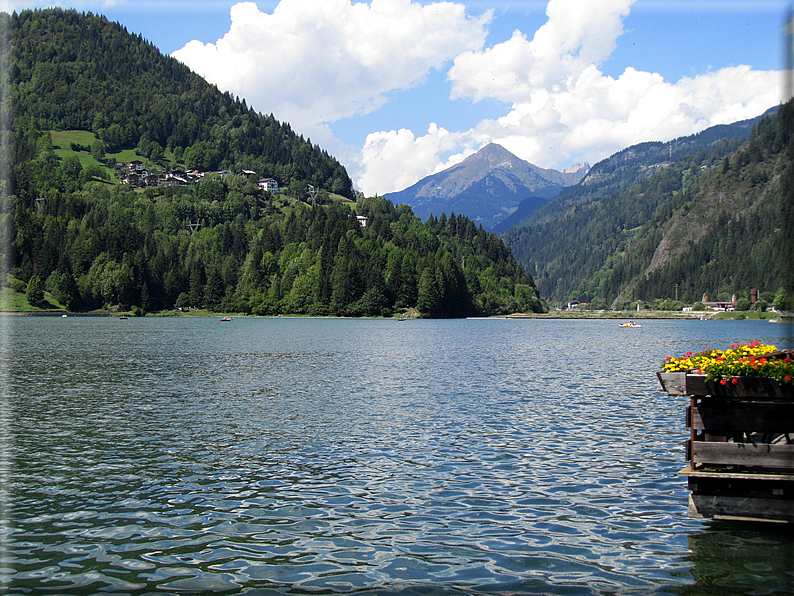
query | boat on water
[224, 319]
[631, 324]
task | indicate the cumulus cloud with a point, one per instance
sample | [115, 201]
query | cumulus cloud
[563, 108]
[397, 158]
[578, 34]
[317, 61]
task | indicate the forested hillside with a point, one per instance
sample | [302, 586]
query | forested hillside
[643, 226]
[76, 71]
[223, 243]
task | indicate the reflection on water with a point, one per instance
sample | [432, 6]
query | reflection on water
[736, 558]
[324, 456]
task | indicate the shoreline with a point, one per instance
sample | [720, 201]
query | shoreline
[556, 315]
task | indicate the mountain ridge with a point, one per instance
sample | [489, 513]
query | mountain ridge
[487, 186]
[667, 220]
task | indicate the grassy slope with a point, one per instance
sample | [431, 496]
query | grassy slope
[11, 301]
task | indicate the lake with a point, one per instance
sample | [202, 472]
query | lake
[302, 456]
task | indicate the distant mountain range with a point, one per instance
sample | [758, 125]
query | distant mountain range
[705, 213]
[488, 187]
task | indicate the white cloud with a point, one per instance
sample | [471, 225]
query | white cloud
[318, 61]
[563, 108]
[396, 159]
[578, 33]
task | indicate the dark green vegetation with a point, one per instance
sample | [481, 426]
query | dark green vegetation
[712, 218]
[73, 233]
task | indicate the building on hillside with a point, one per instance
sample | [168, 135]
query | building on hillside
[362, 221]
[269, 185]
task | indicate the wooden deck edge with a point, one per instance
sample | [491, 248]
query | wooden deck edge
[741, 508]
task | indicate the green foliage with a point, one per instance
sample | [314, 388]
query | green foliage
[102, 246]
[35, 291]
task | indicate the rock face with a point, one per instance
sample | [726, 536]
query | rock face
[487, 187]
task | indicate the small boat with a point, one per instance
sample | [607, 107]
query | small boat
[64, 316]
[224, 319]
[123, 317]
[631, 324]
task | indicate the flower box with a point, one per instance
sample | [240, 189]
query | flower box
[747, 388]
[741, 445]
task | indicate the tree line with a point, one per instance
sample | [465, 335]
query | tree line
[97, 246]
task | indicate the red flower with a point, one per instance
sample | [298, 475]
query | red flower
[734, 380]
[723, 382]
[787, 377]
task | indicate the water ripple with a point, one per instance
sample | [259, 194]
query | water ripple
[292, 456]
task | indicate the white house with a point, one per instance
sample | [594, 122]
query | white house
[269, 185]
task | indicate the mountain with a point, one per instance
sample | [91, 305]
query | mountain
[700, 214]
[87, 95]
[487, 187]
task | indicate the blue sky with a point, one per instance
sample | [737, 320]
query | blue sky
[399, 89]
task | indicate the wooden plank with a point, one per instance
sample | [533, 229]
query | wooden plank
[746, 388]
[744, 454]
[750, 388]
[777, 418]
[741, 508]
[760, 476]
[673, 383]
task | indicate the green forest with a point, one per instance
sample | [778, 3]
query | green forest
[224, 244]
[704, 215]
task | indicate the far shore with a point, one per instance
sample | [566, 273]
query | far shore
[553, 314]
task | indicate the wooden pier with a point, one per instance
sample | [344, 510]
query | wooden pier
[741, 447]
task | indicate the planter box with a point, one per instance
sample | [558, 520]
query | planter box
[747, 388]
[741, 447]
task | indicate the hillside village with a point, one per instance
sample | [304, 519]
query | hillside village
[138, 176]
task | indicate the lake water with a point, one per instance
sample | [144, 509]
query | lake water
[360, 456]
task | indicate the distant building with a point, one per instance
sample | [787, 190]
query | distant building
[362, 221]
[720, 306]
[269, 185]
